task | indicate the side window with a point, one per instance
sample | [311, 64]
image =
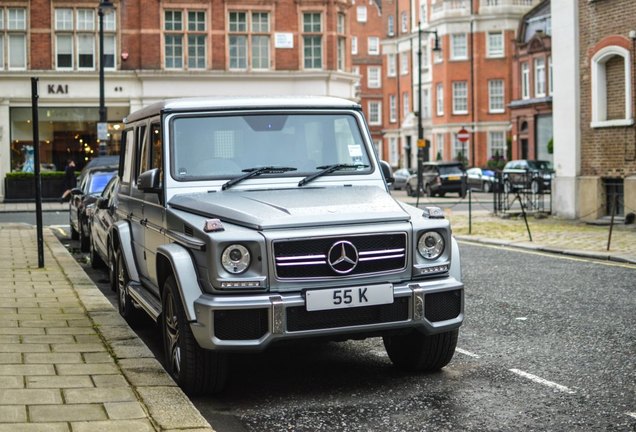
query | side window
[156, 156]
[129, 152]
[142, 151]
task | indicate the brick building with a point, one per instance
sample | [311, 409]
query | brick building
[532, 86]
[595, 136]
[155, 50]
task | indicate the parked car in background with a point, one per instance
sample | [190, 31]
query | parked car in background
[102, 214]
[533, 175]
[480, 179]
[439, 178]
[399, 178]
[91, 184]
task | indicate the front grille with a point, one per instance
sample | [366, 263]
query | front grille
[308, 258]
[442, 306]
[299, 319]
[242, 324]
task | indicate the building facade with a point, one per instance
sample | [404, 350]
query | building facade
[595, 136]
[532, 87]
[152, 51]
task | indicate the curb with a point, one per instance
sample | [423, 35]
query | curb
[167, 407]
[550, 249]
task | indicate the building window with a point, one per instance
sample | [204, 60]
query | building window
[13, 38]
[173, 39]
[426, 103]
[459, 46]
[392, 108]
[249, 32]
[539, 77]
[440, 99]
[460, 149]
[76, 39]
[312, 39]
[423, 14]
[525, 81]
[373, 45]
[496, 96]
[404, 22]
[361, 14]
[404, 63]
[611, 75]
[390, 26]
[342, 43]
[196, 40]
[354, 45]
[394, 154]
[495, 44]
[496, 144]
[390, 65]
[439, 141]
[406, 106]
[373, 77]
[460, 97]
[375, 113]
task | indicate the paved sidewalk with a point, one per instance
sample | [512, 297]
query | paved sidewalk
[68, 361]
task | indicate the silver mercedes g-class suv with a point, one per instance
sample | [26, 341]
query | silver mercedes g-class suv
[248, 221]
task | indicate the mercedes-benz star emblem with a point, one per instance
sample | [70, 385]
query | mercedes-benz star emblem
[343, 257]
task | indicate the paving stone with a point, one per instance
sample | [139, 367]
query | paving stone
[34, 427]
[76, 412]
[103, 357]
[145, 371]
[124, 410]
[10, 358]
[30, 396]
[78, 347]
[141, 425]
[110, 381]
[87, 369]
[13, 414]
[53, 358]
[25, 348]
[70, 331]
[98, 395]
[57, 381]
[7, 382]
[48, 339]
[170, 408]
[19, 369]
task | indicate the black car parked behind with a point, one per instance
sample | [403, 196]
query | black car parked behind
[438, 178]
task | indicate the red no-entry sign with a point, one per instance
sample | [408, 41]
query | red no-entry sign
[463, 135]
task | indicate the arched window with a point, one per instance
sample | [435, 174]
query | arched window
[611, 87]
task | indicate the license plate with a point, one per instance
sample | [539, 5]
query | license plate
[453, 177]
[339, 298]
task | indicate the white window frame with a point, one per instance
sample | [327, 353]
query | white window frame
[539, 77]
[459, 46]
[394, 153]
[525, 80]
[373, 45]
[495, 50]
[496, 142]
[439, 97]
[12, 31]
[404, 63]
[460, 97]
[375, 112]
[390, 26]
[404, 22]
[313, 35]
[599, 87]
[374, 77]
[354, 45]
[550, 77]
[361, 13]
[392, 108]
[406, 104]
[496, 96]
[391, 67]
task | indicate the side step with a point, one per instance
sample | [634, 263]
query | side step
[146, 301]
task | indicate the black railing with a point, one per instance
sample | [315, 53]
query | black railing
[523, 193]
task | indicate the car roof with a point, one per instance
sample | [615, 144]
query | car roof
[240, 102]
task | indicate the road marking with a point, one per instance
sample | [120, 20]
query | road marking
[542, 381]
[550, 254]
[467, 353]
[631, 414]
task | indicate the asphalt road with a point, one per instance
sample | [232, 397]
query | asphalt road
[548, 345]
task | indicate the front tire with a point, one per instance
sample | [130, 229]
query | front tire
[486, 187]
[415, 351]
[124, 303]
[195, 370]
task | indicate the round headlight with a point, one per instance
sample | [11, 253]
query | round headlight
[235, 258]
[430, 245]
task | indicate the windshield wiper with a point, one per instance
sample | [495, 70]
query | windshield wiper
[253, 172]
[327, 169]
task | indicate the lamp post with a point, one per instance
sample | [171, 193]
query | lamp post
[105, 7]
[422, 156]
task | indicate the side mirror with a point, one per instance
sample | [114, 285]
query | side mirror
[387, 172]
[101, 203]
[150, 181]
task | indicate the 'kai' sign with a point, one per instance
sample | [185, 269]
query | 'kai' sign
[57, 89]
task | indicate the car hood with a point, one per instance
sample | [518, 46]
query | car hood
[287, 208]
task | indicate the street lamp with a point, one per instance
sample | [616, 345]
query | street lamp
[105, 7]
[421, 155]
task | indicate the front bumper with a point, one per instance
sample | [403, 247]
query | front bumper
[253, 322]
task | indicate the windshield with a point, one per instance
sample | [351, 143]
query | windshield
[540, 165]
[206, 147]
[450, 169]
[99, 180]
